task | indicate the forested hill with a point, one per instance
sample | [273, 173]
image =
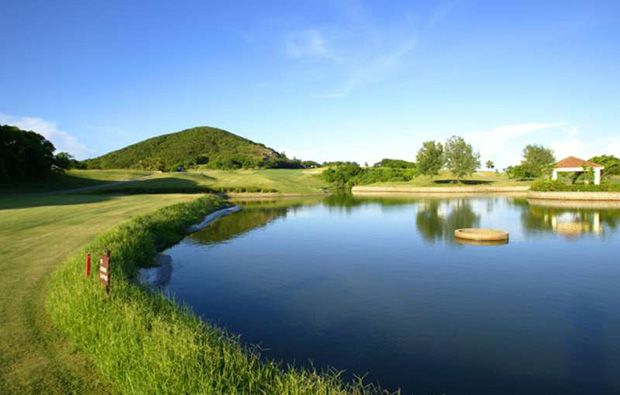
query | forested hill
[211, 147]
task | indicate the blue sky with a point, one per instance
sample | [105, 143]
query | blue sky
[322, 80]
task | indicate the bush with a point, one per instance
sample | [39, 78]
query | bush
[395, 163]
[559, 186]
[349, 174]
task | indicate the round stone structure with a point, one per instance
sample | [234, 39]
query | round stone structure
[481, 234]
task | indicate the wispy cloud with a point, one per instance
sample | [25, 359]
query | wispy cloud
[357, 51]
[62, 140]
[441, 12]
[309, 44]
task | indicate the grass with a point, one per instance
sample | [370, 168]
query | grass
[37, 232]
[446, 179]
[283, 181]
[76, 179]
[145, 343]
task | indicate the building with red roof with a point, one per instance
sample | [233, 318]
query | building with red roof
[577, 165]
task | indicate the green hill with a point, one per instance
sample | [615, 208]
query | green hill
[200, 146]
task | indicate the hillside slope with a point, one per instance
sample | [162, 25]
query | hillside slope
[211, 147]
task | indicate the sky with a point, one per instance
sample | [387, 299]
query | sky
[320, 80]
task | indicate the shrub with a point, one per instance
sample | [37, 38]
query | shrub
[350, 174]
[559, 186]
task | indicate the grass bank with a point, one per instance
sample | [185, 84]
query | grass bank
[145, 343]
[446, 180]
[37, 232]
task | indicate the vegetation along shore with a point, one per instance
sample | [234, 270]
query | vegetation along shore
[137, 336]
[54, 206]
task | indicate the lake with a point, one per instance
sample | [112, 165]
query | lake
[380, 286]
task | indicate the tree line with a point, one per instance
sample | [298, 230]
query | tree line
[27, 156]
[457, 156]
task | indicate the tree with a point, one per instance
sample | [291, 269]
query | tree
[517, 172]
[24, 155]
[342, 175]
[490, 165]
[64, 160]
[611, 163]
[461, 159]
[537, 159]
[395, 164]
[430, 158]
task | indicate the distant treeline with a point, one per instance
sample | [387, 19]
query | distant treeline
[395, 164]
[27, 156]
[459, 157]
[198, 147]
[348, 174]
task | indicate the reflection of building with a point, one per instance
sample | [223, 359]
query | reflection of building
[571, 218]
[573, 224]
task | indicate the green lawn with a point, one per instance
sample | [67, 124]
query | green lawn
[76, 179]
[284, 181]
[446, 179]
[37, 232]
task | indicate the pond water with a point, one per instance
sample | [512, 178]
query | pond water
[380, 286]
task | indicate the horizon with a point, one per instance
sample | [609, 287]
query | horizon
[321, 81]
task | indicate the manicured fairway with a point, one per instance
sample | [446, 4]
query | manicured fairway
[283, 181]
[36, 233]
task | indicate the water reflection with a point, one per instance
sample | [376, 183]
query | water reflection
[570, 220]
[488, 243]
[256, 214]
[438, 219]
[435, 218]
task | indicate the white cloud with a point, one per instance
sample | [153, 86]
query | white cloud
[574, 147]
[504, 144]
[62, 140]
[499, 144]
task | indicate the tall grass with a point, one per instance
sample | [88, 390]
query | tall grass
[145, 343]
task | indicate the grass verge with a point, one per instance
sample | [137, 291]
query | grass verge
[145, 343]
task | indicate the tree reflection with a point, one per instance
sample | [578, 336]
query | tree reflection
[255, 214]
[438, 219]
[237, 224]
[348, 201]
